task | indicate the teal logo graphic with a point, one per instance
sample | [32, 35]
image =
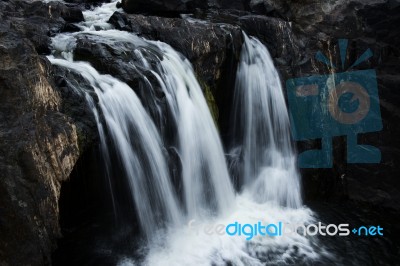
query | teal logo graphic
[339, 104]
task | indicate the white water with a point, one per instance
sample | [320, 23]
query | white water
[261, 129]
[207, 187]
[138, 146]
[97, 18]
[272, 179]
[205, 176]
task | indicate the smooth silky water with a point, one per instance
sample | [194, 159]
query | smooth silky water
[270, 192]
[260, 129]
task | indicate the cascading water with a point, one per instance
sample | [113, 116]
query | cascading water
[261, 133]
[207, 187]
[262, 137]
[205, 175]
[140, 145]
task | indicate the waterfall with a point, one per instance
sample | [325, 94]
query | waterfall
[206, 182]
[140, 132]
[138, 147]
[261, 135]
[262, 138]
[205, 175]
[135, 138]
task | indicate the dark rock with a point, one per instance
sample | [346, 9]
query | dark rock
[88, 3]
[75, 106]
[120, 22]
[234, 4]
[277, 35]
[317, 27]
[38, 21]
[166, 8]
[40, 142]
[160, 7]
[69, 27]
[39, 148]
[273, 8]
[51, 11]
[119, 59]
[71, 15]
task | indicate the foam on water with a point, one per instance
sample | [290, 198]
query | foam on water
[190, 245]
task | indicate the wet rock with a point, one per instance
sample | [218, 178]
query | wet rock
[120, 22]
[121, 61]
[38, 21]
[212, 48]
[276, 33]
[70, 86]
[166, 8]
[206, 45]
[69, 27]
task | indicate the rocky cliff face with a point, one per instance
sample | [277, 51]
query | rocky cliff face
[39, 140]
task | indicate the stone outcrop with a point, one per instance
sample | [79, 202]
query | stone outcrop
[39, 147]
[39, 141]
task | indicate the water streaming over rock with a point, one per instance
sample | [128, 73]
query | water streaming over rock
[261, 135]
[205, 176]
[138, 147]
[206, 185]
[137, 137]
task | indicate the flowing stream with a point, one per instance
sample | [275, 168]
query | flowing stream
[271, 191]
